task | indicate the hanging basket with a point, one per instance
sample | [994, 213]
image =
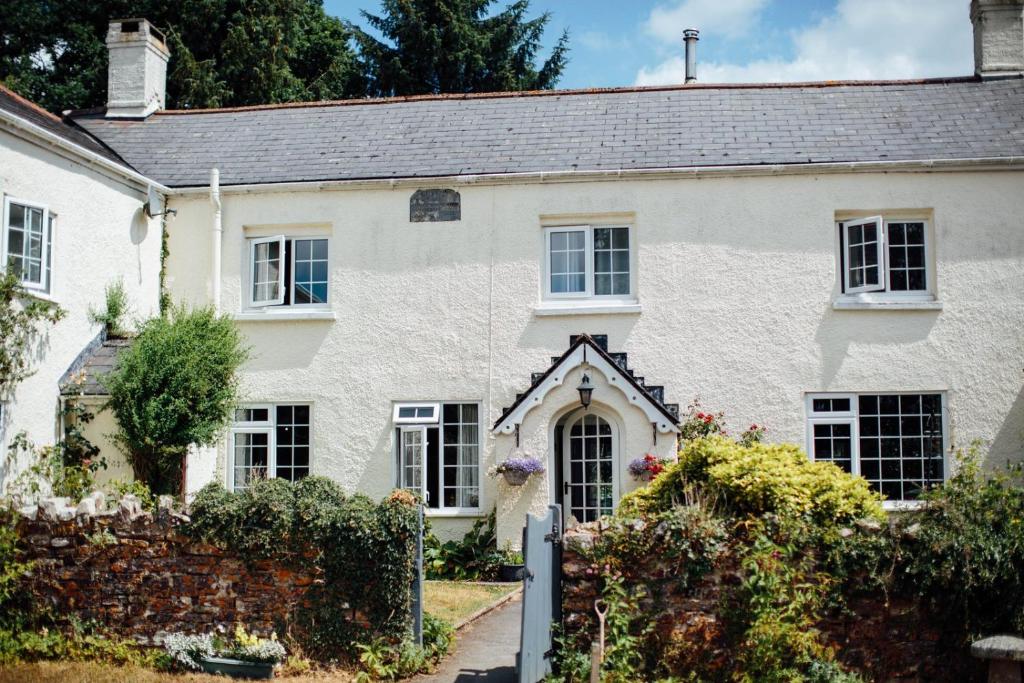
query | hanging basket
[515, 477]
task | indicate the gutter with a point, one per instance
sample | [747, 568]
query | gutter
[1014, 163]
[216, 236]
[91, 158]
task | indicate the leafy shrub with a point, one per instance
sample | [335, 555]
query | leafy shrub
[115, 309]
[13, 603]
[23, 321]
[117, 489]
[965, 555]
[76, 644]
[365, 551]
[175, 386]
[382, 660]
[474, 558]
[186, 651]
[757, 479]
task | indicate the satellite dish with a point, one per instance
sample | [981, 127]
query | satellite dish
[154, 205]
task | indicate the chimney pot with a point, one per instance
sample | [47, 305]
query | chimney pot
[998, 37]
[137, 69]
[690, 38]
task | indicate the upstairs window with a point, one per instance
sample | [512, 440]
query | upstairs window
[885, 257]
[27, 243]
[288, 271]
[588, 262]
[895, 441]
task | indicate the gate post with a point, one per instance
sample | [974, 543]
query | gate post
[417, 585]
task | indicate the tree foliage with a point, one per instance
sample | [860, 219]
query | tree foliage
[175, 386]
[456, 46]
[242, 52]
[23, 321]
[223, 52]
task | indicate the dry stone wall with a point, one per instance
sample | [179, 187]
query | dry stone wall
[884, 637]
[138, 575]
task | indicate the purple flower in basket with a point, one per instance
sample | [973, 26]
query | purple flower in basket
[525, 465]
[638, 467]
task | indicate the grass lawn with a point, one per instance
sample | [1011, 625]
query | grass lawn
[90, 672]
[454, 601]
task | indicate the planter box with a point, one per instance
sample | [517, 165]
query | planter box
[510, 572]
[236, 668]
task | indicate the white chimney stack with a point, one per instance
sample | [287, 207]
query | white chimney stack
[137, 73]
[690, 38]
[998, 37]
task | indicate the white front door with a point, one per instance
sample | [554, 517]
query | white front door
[413, 466]
[588, 469]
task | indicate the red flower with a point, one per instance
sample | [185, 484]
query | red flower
[649, 458]
[753, 428]
[708, 418]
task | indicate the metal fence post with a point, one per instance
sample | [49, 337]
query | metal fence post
[417, 586]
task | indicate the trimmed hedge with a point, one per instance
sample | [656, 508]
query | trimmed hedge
[365, 550]
[756, 479]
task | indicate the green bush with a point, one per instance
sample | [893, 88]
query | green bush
[964, 551]
[13, 601]
[175, 386]
[115, 309]
[365, 550]
[474, 558]
[76, 643]
[754, 480]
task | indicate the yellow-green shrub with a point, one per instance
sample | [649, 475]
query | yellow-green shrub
[757, 479]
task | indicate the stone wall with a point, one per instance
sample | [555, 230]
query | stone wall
[135, 573]
[885, 639]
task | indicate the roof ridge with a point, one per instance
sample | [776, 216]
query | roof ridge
[546, 93]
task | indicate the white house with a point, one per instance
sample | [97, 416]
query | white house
[425, 281]
[72, 224]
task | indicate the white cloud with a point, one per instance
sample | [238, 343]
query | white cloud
[862, 39]
[730, 18]
[599, 41]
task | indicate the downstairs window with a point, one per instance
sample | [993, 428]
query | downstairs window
[438, 453]
[895, 441]
[270, 441]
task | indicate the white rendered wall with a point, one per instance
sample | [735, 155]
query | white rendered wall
[736, 280]
[100, 236]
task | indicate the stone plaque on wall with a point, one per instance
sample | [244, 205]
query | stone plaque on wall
[428, 206]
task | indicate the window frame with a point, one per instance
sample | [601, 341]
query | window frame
[291, 264]
[852, 417]
[588, 294]
[884, 294]
[46, 267]
[407, 425]
[268, 426]
[279, 299]
[434, 419]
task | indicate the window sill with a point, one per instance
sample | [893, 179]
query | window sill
[902, 505]
[284, 315]
[551, 308]
[453, 512]
[856, 303]
[39, 295]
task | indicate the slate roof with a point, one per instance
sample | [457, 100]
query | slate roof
[14, 103]
[607, 129]
[96, 360]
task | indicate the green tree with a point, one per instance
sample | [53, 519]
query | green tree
[223, 52]
[455, 46]
[176, 386]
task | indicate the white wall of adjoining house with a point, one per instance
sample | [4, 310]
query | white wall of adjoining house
[100, 236]
[100, 432]
[736, 277]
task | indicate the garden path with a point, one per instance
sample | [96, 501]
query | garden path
[485, 650]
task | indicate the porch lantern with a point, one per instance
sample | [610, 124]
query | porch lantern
[586, 390]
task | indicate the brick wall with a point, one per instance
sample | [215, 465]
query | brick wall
[135, 573]
[892, 640]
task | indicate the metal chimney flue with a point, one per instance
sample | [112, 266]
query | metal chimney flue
[690, 38]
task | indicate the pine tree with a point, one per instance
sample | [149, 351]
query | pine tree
[454, 46]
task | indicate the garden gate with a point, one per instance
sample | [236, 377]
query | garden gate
[542, 593]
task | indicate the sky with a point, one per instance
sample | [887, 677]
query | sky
[639, 42]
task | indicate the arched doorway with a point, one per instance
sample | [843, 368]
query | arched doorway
[589, 455]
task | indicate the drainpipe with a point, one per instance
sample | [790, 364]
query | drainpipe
[218, 232]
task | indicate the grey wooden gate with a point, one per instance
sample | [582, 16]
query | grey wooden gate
[542, 593]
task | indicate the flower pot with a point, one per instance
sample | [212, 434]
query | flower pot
[515, 477]
[236, 668]
[510, 572]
